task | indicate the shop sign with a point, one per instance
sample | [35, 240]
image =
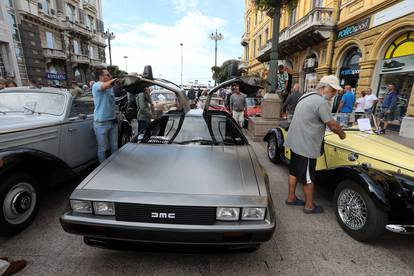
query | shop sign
[354, 28]
[55, 76]
[398, 10]
[349, 72]
[398, 65]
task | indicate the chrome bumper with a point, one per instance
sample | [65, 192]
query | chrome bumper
[400, 229]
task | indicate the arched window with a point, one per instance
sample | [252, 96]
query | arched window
[402, 46]
[352, 58]
[349, 72]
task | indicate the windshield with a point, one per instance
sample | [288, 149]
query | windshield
[356, 121]
[194, 130]
[32, 102]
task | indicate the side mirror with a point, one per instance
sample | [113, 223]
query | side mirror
[353, 156]
[148, 72]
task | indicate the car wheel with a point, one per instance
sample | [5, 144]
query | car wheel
[19, 202]
[357, 213]
[272, 150]
[125, 137]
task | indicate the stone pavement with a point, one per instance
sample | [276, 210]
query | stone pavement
[402, 140]
[302, 245]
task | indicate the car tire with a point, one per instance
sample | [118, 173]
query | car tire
[19, 202]
[273, 152]
[124, 138]
[357, 213]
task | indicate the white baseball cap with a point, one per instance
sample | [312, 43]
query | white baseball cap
[332, 80]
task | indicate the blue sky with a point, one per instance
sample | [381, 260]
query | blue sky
[150, 32]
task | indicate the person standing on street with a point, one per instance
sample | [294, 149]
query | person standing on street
[144, 109]
[282, 82]
[305, 139]
[337, 100]
[360, 103]
[347, 102]
[105, 122]
[370, 101]
[291, 101]
[237, 104]
[191, 95]
[389, 106]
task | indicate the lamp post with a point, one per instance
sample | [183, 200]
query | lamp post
[216, 37]
[126, 63]
[182, 61]
[110, 36]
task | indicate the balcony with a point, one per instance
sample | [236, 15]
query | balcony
[83, 59]
[77, 28]
[96, 62]
[310, 30]
[264, 50]
[245, 39]
[54, 53]
[90, 5]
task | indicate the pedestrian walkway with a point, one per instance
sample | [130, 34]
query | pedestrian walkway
[392, 135]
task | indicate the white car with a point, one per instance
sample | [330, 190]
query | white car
[45, 135]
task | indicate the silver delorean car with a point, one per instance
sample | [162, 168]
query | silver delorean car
[190, 178]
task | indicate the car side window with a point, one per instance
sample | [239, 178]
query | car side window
[82, 105]
[225, 131]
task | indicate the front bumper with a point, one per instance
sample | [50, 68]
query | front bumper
[226, 234]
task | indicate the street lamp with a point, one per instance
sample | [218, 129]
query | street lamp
[182, 59]
[110, 36]
[216, 37]
[126, 63]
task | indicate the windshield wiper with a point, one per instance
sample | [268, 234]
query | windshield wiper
[201, 141]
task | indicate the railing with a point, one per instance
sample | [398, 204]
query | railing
[77, 27]
[89, 4]
[96, 62]
[316, 17]
[264, 48]
[80, 59]
[54, 53]
[245, 38]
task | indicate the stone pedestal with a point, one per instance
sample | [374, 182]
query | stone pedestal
[258, 126]
[407, 127]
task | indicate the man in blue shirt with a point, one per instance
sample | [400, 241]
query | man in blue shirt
[347, 101]
[389, 106]
[105, 122]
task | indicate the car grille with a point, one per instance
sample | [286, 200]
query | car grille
[163, 214]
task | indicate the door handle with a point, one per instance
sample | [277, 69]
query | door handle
[72, 129]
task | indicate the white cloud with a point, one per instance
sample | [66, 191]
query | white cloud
[159, 46]
[184, 5]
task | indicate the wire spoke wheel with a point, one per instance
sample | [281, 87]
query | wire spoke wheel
[352, 209]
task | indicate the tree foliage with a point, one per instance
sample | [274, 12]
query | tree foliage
[115, 71]
[221, 73]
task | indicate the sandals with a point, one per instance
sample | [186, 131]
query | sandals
[316, 210]
[296, 202]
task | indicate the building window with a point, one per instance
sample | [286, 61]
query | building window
[260, 42]
[254, 48]
[13, 27]
[76, 49]
[317, 4]
[402, 46]
[9, 4]
[292, 16]
[45, 6]
[247, 54]
[70, 13]
[91, 52]
[49, 40]
[248, 25]
[267, 35]
[89, 22]
[349, 72]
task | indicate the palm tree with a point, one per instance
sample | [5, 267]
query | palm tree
[272, 8]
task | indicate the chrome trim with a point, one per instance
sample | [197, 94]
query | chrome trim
[400, 229]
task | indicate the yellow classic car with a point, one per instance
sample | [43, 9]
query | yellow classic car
[373, 177]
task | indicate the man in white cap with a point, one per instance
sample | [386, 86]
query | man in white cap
[305, 137]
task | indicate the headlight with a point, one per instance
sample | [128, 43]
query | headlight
[224, 213]
[253, 213]
[81, 206]
[104, 208]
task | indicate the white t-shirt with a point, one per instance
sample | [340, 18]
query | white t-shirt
[369, 101]
[360, 103]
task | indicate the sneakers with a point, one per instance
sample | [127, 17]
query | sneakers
[392, 65]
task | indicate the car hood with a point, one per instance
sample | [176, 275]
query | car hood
[178, 169]
[10, 123]
[375, 146]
